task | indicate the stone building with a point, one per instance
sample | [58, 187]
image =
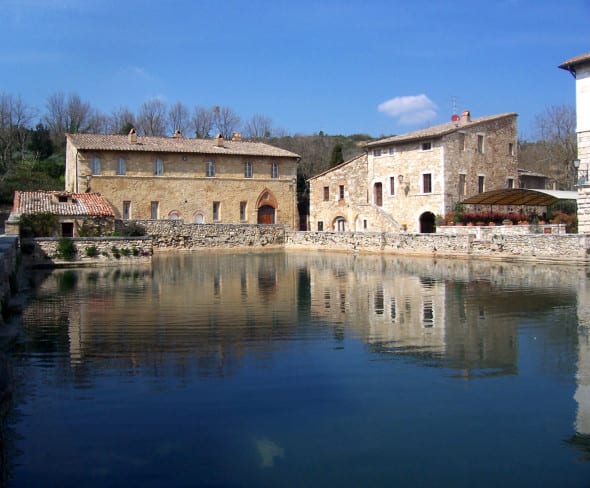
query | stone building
[196, 180]
[60, 214]
[406, 180]
[579, 67]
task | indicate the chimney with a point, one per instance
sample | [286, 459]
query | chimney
[455, 118]
[177, 134]
[132, 137]
[465, 116]
[219, 140]
[236, 136]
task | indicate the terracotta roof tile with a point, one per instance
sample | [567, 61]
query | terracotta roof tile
[101, 142]
[36, 202]
[437, 130]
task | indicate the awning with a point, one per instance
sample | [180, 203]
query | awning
[520, 196]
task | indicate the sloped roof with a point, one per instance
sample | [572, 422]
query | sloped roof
[102, 142]
[438, 130]
[576, 60]
[36, 202]
[329, 170]
[520, 196]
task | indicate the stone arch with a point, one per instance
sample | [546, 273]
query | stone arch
[199, 217]
[427, 223]
[339, 224]
[174, 215]
[266, 206]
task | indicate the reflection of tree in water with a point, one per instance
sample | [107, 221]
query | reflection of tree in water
[582, 443]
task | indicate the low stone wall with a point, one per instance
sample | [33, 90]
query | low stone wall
[484, 232]
[177, 235]
[43, 251]
[563, 248]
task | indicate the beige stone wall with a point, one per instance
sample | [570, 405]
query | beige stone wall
[184, 189]
[352, 176]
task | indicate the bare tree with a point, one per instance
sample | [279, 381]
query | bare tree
[202, 122]
[70, 115]
[179, 118]
[556, 135]
[258, 127]
[121, 121]
[226, 121]
[15, 120]
[152, 117]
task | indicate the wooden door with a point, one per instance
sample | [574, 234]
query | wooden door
[266, 215]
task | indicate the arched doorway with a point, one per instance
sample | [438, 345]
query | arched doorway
[427, 223]
[339, 224]
[266, 206]
[266, 215]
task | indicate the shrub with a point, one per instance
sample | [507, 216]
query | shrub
[125, 251]
[66, 248]
[116, 252]
[91, 251]
[38, 225]
[135, 251]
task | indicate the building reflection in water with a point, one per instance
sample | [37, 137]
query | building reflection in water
[207, 313]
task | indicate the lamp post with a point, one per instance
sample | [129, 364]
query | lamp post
[581, 176]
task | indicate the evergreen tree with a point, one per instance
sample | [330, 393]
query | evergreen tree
[337, 157]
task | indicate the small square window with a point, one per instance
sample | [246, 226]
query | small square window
[392, 150]
[426, 146]
[376, 152]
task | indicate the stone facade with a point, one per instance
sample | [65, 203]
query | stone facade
[409, 179]
[203, 181]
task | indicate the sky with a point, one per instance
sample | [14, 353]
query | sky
[377, 67]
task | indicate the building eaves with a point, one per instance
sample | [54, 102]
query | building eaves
[573, 62]
[437, 131]
[341, 165]
[102, 142]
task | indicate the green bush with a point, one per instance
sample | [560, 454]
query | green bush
[91, 251]
[66, 248]
[135, 251]
[116, 252]
[125, 251]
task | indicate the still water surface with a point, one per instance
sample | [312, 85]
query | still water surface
[274, 369]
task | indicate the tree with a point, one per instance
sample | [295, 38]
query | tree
[337, 157]
[70, 115]
[40, 144]
[225, 121]
[556, 139]
[202, 122]
[121, 121]
[258, 127]
[15, 119]
[178, 118]
[152, 118]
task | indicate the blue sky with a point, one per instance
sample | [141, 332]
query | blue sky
[343, 67]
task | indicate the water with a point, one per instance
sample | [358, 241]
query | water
[274, 369]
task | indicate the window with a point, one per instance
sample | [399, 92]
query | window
[159, 167]
[481, 184]
[365, 224]
[95, 166]
[326, 193]
[199, 219]
[242, 210]
[376, 152]
[340, 224]
[247, 169]
[392, 151]
[392, 185]
[341, 192]
[426, 146]
[154, 210]
[216, 210]
[462, 186]
[427, 183]
[126, 210]
[320, 226]
[461, 139]
[510, 183]
[210, 169]
[510, 149]
[121, 166]
[480, 146]
[274, 170]
[378, 194]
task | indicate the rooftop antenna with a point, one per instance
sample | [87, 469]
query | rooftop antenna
[454, 115]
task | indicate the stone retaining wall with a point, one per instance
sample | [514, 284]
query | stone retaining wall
[177, 235]
[564, 248]
[43, 251]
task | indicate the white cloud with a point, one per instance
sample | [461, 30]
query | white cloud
[409, 110]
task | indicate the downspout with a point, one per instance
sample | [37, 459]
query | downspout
[76, 186]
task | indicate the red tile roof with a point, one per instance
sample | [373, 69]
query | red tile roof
[101, 142]
[36, 202]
